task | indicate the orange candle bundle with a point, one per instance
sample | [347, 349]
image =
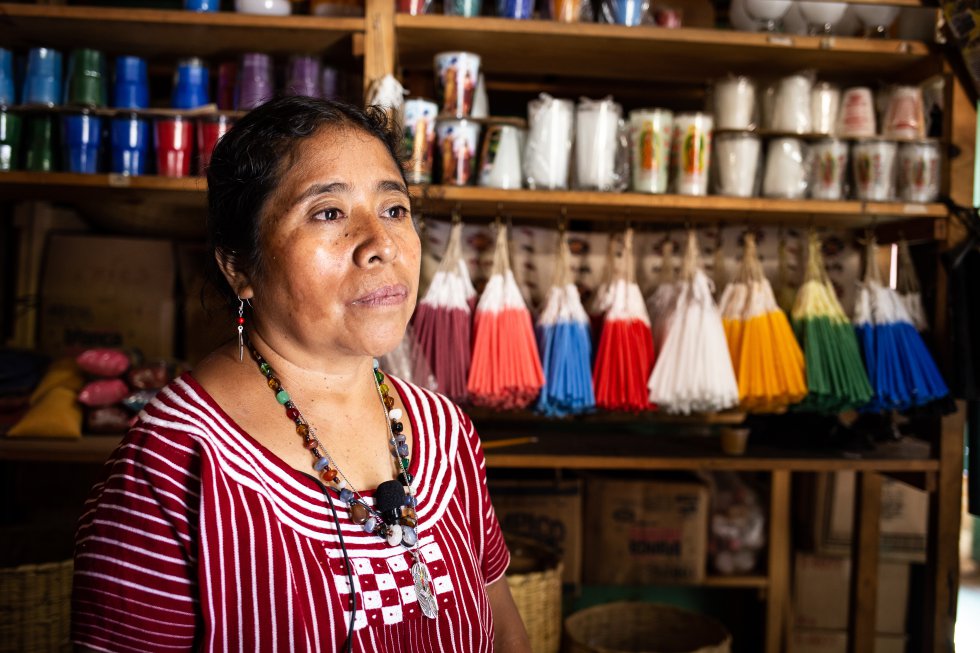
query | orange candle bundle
[625, 356]
[505, 371]
[767, 359]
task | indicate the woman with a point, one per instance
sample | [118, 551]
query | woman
[241, 511]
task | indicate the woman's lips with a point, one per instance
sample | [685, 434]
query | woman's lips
[384, 296]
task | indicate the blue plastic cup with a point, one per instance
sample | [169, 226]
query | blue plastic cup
[130, 137]
[202, 5]
[131, 89]
[7, 93]
[629, 12]
[468, 8]
[191, 84]
[82, 137]
[42, 83]
[519, 9]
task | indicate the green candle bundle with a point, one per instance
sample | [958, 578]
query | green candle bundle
[835, 372]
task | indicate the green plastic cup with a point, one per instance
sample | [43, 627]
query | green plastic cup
[86, 85]
[40, 144]
[10, 131]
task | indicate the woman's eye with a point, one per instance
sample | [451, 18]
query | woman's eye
[327, 214]
[397, 212]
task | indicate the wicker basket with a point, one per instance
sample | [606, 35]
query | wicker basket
[534, 577]
[35, 607]
[631, 627]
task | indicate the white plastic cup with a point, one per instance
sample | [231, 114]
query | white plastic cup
[737, 163]
[691, 153]
[828, 169]
[786, 170]
[458, 140]
[873, 162]
[857, 113]
[597, 142]
[919, 171]
[650, 136]
[457, 75]
[735, 103]
[824, 108]
[500, 159]
[791, 105]
[547, 154]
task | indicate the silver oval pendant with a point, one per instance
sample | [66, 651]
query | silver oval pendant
[423, 590]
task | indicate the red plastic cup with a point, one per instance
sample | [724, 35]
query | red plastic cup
[174, 138]
[209, 130]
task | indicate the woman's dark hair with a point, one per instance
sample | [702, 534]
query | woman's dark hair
[248, 162]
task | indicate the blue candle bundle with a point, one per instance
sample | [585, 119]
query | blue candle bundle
[900, 368]
[565, 345]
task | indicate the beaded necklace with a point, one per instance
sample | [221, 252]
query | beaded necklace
[403, 529]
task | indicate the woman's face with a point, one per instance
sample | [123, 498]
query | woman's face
[340, 253]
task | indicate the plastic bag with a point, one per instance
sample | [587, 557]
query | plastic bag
[103, 362]
[548, 151]
[738, 524]
[787, 169]
[734, 103]
[600, 146]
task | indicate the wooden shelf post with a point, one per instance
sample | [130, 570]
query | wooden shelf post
[777, 603]
[864, 563]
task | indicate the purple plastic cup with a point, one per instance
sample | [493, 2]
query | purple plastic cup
[304, 76]
[330, 83]
[255, 80]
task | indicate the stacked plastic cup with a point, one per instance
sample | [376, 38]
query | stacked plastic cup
[40, 152]
[202, 6]
[191, 84]
[86, 80]
[7, 88]
[10, 133]
[467, 8]
[519, 9]
[173, 137]
[130, 143]
[255, 80]
[42, 81]
[131, 89]
[209, 130]
[304, 76]
[227, 79]
[330, 83]
[82, 137]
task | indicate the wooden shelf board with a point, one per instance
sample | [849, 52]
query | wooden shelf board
[70, 186]
[87, 449]
[165, 34]
[649, 53]
[489, 202]
[735, 582]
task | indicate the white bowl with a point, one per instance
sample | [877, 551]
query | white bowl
[741, 20]
[767, 9]
[876, 17]
[822, 13]
[265, 7]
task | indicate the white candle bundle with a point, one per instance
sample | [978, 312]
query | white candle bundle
[549, 142]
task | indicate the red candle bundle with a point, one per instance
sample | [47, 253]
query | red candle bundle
[625, 355]
[442, 322]
[506, 370]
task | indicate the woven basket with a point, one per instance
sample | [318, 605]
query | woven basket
[35, 607]
[631, 627]
[534, 577]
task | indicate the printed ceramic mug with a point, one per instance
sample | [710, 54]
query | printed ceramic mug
[457, 74]
[650, 134]
[458, 139]
[828, 167]
[419, 138]
[918, 171]
[874, 170]
[691, 153]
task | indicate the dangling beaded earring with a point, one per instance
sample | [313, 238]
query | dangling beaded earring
[241, 329]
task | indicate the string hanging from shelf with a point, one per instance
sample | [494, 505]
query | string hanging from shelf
[900, 368]
[785, 290]
[625, 356]
[768, 361]
[442, 324]
[694, 371]
[835, 374]
[506, 371]
[909, 289]
[565, 344]
[660, 304]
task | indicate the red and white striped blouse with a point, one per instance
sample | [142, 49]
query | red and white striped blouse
[198, 537]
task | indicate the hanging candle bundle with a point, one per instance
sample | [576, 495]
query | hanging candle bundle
[660, 304]
[694, 370]
[900, 368]
[565, 344]
[767, 359]
[625, 355]
[506, 372]
[908, 287]
[443, 319]
[835, 374]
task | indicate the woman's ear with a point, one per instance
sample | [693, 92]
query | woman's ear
[238, 280]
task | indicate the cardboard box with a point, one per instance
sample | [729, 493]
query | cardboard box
[835, 641]
[821, 593]
[646, 531]
[205, 322]
[904, 517]
[549, 512]
[107, 292]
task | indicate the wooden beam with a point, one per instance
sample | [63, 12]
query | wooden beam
[379, 41]
[777, 606]
[864, 563]
[925, 481]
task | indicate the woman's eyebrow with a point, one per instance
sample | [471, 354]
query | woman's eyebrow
[338, 187]
[390, 185]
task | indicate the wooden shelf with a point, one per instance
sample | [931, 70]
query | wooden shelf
[157, 33]
[68, 186]
[530, 47]
[93, 449]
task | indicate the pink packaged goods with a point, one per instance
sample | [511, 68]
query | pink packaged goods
[103, 362]
[103, 392]
[108, 419]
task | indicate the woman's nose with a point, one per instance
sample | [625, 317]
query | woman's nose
[374, 242]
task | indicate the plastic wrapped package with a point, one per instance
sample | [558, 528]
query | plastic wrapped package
[108, 419]
[791, 110]
[736, 164]
[600, 146]
[904, 113]
[651, 131]
[691, 153]
[625, 12]
[734, 103]
[103, 362]
[824, 107]
[786, 169]
[103, 392]
[150, 376]
[738, 525]
[828, 169]
[547, 154]
[919, 171]
[873, 162]
[856, 118]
